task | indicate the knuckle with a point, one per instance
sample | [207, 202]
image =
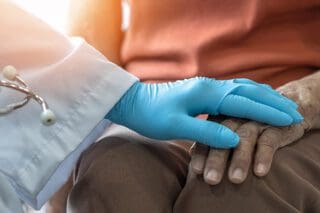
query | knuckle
[232, 123]
[244, 133]
[217, 157]
[212, 162]
[291, 134]
[219, 166]
[265, 153]
[248, 132]
[219, 153]
[242, 156]
[241, 153]
[241, 160]
[270, 140]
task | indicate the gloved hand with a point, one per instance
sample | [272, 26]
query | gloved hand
[167, 110]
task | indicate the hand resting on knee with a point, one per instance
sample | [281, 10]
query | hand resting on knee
[259, 142]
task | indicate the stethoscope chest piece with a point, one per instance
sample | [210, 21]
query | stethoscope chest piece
[15, 82]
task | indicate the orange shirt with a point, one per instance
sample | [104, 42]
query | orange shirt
[270, 41]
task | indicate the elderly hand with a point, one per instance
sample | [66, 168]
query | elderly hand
[259, 142]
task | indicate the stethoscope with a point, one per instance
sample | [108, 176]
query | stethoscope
[15, 82]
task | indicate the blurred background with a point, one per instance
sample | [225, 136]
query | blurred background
[55, 12]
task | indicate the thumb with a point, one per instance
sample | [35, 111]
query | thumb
[205, 132]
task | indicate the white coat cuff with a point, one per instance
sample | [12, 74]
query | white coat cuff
[49, 168]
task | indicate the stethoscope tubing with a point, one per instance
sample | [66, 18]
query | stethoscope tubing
[18, 84]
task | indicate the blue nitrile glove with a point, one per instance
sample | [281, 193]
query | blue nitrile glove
[167, 110]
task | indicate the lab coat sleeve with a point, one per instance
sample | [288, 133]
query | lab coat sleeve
[78, 83]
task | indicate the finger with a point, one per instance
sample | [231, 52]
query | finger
[191, 174]
[217, 159]
[248, 81]
[268, 143]
[261, 95]
[205, 132]
[269, 88]
[215, 165]
[199, 153]
[238, 106]
[242, 155]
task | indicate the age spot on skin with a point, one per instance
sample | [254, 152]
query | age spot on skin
[305, 96]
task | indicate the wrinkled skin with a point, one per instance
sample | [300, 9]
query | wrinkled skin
[259, 142]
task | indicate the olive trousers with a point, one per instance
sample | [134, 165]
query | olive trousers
[127, 173]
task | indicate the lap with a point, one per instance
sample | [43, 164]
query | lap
[126, 172]
[293, 185]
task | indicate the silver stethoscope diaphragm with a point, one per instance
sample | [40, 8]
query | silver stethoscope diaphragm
[14, 81]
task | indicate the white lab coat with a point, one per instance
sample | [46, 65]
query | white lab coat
[80, 86]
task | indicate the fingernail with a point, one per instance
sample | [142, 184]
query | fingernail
[261, 169]
[237, 174]
[213, 176]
